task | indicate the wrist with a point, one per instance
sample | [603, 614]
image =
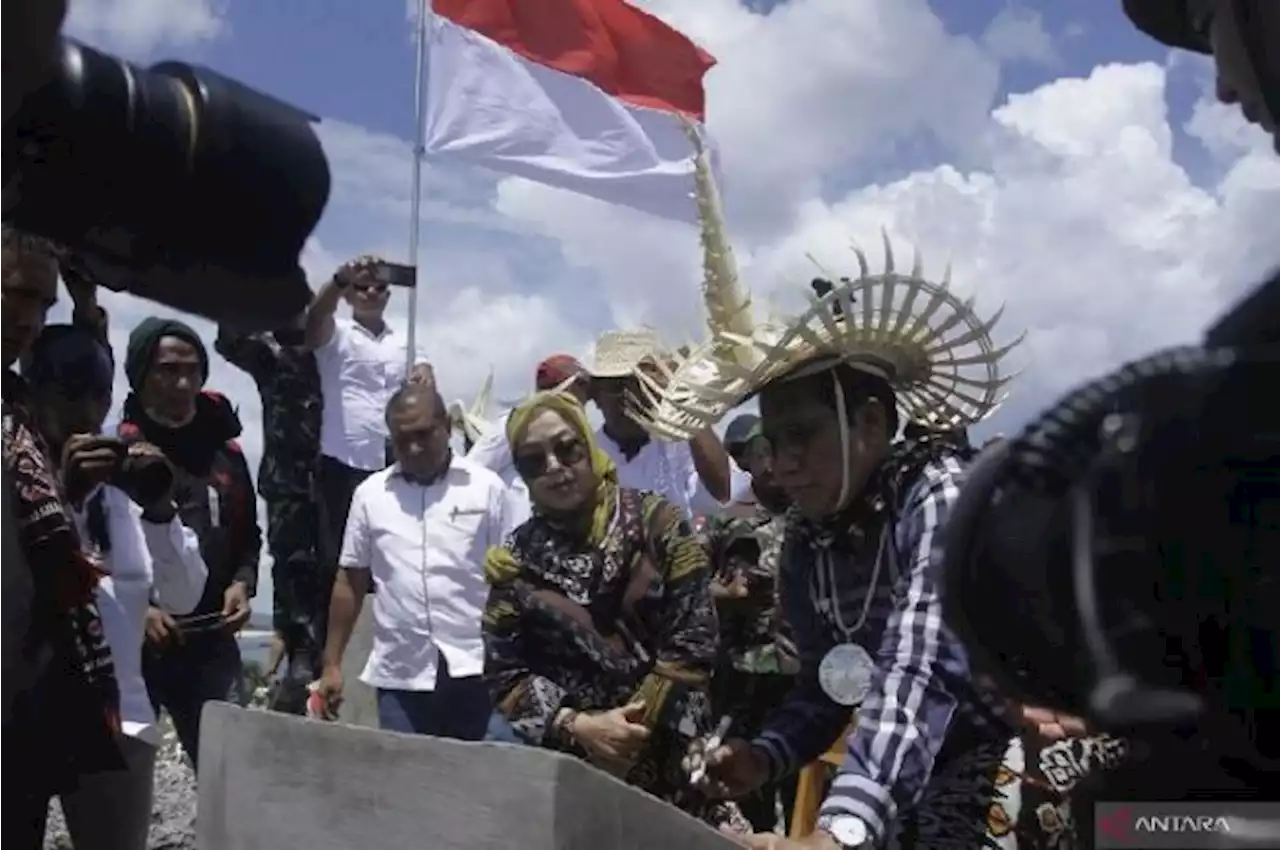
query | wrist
[843, 832]
[565, 725]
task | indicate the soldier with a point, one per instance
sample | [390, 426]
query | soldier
[758, 662]
[289, 386]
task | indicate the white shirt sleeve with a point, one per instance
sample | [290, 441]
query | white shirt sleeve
[178, 572]
[502, 515]
[492, 450]
[333, 346]
[739, 484]
[700, 499]
[357, 545]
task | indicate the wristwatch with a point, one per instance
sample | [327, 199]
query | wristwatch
[849, 831]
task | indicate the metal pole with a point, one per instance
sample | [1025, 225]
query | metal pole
[419, 152]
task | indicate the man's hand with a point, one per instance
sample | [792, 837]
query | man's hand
[733, 769]
[352, 269]
[817, 840]
[87, 461]
[330, 691]
[235, 606]
[161, 628]
[81, 286]
[735, 588]
[421, 373]
[156, 507]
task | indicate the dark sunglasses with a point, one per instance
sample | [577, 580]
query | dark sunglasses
[535, 464]
[375, 288]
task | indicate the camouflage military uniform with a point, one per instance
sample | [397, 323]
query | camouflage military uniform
[758, 662]
[289, 386]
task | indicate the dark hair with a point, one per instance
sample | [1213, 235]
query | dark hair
[72, 357]
[410, 393]
[859, 387]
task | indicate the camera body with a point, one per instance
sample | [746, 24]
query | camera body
[1130, 537]
[146, 478]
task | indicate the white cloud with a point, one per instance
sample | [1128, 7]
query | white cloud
[1075, 213]
[137, 28]
[1018, 34]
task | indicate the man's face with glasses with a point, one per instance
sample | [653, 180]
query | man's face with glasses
[368, 296]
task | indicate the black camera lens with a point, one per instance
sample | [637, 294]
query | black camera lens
[174, 168]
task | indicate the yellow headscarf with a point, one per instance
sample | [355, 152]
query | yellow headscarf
[501, 564]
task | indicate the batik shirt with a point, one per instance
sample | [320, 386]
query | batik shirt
[592, 628]
[753, 634]
[921, 692]
[289, 386]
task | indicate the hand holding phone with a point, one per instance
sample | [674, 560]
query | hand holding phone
[395, 274]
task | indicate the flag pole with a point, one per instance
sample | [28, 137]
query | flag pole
[419, 152]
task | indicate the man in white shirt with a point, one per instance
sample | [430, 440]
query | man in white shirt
[493, 451]
[698, 476]
[361, 362]
[419, 530]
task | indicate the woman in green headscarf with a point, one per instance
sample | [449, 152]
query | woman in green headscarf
[600, 632]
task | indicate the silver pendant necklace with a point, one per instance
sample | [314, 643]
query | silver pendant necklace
[845, 671]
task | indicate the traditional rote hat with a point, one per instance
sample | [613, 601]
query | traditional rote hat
[930, 345]
[472, 422]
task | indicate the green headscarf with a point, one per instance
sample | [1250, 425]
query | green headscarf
[501, 564]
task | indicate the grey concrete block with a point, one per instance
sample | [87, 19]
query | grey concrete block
[272, 781]
[359, 701]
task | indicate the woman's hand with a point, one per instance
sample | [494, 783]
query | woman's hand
[615, 736]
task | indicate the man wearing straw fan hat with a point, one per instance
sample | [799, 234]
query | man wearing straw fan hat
[934, 758]
[695, 474]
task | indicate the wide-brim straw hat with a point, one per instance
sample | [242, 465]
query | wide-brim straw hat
[618, 354]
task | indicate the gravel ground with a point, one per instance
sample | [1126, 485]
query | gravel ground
[173, 814]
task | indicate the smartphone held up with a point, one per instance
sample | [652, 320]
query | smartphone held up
[395, 274]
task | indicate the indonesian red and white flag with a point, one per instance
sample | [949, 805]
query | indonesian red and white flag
[588, 95]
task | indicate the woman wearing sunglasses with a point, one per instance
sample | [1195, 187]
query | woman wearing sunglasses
[600, 632]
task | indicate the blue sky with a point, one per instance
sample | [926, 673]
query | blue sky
[1068, 168]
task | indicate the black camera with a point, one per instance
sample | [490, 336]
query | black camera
[146, 478]
[174, 183]
[1130, 539]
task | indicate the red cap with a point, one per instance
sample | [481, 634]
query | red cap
[556, 370]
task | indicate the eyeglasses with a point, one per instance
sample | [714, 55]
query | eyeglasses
[375, 288]
[535, 464]
[793, 438]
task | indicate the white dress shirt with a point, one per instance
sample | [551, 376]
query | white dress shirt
[425, 546]
[668, 470]
[493, 452]
[359, 371]
[146, 561]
